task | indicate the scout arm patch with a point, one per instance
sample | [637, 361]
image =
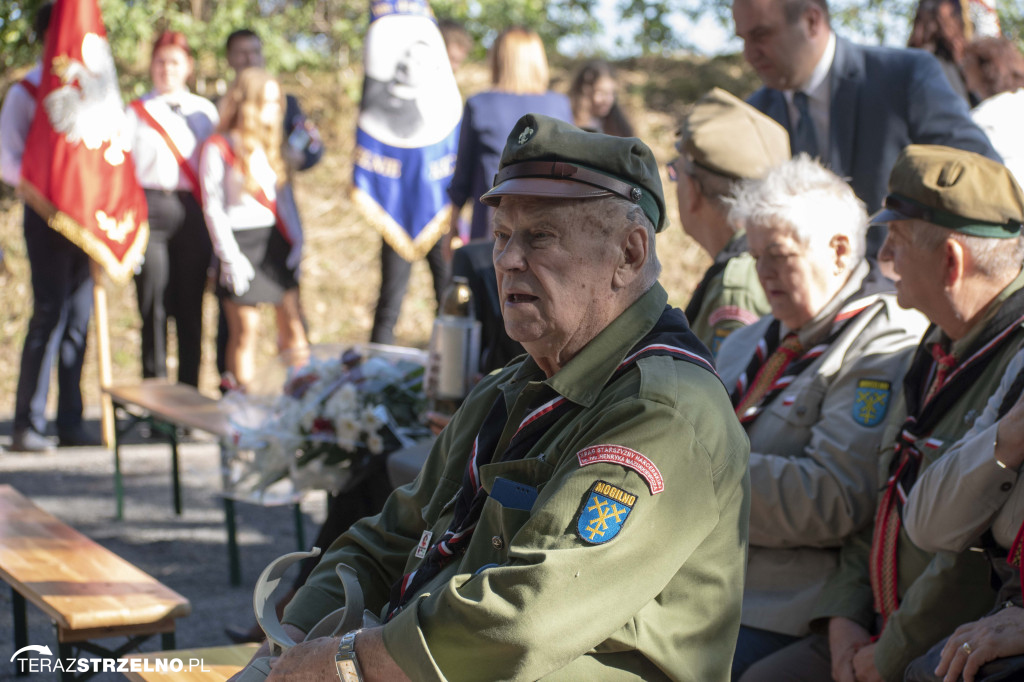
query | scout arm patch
[603, 512]
[871, 402]
[627, 457]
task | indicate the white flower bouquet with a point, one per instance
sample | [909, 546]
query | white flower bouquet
[329, 420]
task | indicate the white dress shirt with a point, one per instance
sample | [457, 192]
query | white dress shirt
[188, 119]
[15, 119]
[819, 98]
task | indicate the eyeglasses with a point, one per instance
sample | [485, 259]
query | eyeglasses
[673, 174]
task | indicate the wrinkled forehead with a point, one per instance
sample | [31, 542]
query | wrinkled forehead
[517, 210]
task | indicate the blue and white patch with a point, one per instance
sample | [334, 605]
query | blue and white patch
[872, 401]
[603, 513]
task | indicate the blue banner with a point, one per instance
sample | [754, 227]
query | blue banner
[408, 128]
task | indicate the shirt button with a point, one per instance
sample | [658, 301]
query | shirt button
[1005, 487]
[497, 542]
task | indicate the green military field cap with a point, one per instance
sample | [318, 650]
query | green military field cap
[727, 136]
[546, 157]
[956, 189]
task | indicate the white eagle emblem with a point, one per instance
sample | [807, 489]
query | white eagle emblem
[87, 107]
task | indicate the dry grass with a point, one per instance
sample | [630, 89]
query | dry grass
[341, 273]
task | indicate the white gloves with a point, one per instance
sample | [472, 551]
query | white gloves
[237, 274]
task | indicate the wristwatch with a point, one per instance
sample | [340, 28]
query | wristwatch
[345, 659]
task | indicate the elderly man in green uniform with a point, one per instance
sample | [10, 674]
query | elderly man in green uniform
[954, 241]
[721, 141]
[584, 514]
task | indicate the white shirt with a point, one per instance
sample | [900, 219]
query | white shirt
[15, 120]
[226, 205]
[155, 165]
[819, 98]
[1000, 116]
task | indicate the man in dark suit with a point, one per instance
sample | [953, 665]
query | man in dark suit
[855, 107]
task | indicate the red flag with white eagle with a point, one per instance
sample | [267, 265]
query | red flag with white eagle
[77, 170]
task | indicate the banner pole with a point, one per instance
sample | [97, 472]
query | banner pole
[99, 299]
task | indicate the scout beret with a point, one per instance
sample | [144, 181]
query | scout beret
[727, 136]
[546, 157]
[956, 189]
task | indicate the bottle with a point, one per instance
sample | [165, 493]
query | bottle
[454, 345]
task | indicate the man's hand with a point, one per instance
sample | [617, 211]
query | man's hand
[845, 639]
[864, 664]
[311, 661]
[996, 636]
[375, 662]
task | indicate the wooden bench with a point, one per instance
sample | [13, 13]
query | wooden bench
[88, 591]
[165, 406]
[216, 664]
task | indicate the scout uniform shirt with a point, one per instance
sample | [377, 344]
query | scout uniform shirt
[814, 448]
[621, 562]
[940, 591]
[729, 296]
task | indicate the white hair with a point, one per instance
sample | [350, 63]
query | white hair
[801, 194]
[991, 257]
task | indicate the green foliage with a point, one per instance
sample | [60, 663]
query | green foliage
[16, 48]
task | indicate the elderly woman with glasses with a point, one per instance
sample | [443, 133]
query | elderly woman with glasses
[811, 383]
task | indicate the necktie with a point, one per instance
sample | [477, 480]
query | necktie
[770, 371]
[802, 136]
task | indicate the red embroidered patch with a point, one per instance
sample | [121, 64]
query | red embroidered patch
[618, 454]
[732, 313]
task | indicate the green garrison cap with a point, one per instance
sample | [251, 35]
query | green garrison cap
[727, 136]
[545, 157]
[956, 189]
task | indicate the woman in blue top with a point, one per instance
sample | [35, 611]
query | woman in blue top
[519, 77]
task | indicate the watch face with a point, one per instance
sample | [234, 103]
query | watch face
[347, 670]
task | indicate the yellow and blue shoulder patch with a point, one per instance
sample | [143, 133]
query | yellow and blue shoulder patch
[603, 513]
[872, 401]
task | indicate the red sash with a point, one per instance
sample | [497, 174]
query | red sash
[229, 156]
[31, 88]
[190, 174]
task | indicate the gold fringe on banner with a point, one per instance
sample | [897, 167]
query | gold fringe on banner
[119, 271]
[397, 238]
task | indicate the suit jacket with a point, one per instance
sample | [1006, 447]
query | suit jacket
[882, 100]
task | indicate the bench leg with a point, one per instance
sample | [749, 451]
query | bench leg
[118, 483]
[300, 527]
[167, 641]
[20, 629]
[176, 476]
[65, 651]
[234, 565]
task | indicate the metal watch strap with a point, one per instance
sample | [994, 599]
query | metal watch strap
[345, 660]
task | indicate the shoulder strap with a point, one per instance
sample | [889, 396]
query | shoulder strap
[140, 109]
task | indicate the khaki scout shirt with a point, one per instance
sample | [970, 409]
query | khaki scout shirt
[814, 452]
[530, 599]
[734, 299]
[940, 591]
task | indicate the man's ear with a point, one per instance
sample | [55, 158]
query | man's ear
[954, 261]
[634, 249]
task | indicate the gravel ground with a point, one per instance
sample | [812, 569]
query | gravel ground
[188, 553]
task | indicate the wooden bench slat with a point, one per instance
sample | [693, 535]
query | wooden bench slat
[175, 403]
[77, 582]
